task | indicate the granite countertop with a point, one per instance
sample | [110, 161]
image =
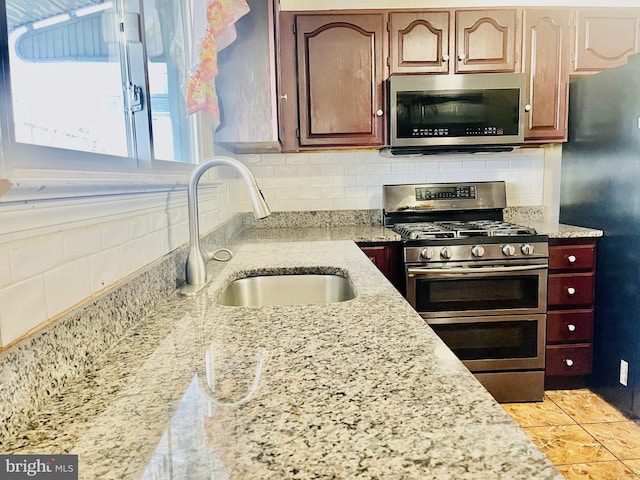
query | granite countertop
[357, 389]
[559, 230]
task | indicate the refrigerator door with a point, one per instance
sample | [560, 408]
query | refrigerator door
[600, 188]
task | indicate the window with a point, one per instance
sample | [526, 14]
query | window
[94, 83]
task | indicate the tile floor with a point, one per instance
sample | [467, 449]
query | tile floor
[584, 436]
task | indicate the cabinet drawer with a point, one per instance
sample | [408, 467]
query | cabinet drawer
[566, 361]
[569, 326]
[572, 257]
[570, 289]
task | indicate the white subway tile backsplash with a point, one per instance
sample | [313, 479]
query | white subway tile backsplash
[132, 256]
[36, 257]
[82, 243]
[5, 269]
[116, 234]
[297, 159]
[104, 268]
[24, 307]
[67, 285]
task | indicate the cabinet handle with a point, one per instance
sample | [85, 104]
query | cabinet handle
[461, 56]
[445, 58]
[284, 97]
[379, 112]
[569, 362]
[527, 107]
[571, 259]
[571, 327]
[571, 291]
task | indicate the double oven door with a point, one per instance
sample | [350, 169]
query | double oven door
[491, 315]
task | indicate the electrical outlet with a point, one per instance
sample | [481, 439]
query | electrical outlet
[624, 372]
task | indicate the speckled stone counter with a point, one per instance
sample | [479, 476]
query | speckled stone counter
[559, 230]
[357, 389]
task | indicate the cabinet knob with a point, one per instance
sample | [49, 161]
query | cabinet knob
[569, 362]
[571, 291]
[571, 327]
[461, 56]
[445, 58]
[284, 97]
[527, 107]
[571, 259]
[379, 112]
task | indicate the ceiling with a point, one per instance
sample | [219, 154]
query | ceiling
[22, 12]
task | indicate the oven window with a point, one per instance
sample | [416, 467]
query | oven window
[489, 293]
[491, 340]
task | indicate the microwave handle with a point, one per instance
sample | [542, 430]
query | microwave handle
[470, 270]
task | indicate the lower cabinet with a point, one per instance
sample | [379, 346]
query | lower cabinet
[385, 256]
[570, 312]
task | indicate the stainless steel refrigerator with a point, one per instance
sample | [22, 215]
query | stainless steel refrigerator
[600, 188]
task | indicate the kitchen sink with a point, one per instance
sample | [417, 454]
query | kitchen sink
[287, 289]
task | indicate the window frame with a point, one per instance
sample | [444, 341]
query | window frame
[31, 172]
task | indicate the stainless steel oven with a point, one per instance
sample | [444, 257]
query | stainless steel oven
[479, 282]
[456, 290]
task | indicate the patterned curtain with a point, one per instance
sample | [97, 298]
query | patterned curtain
[213, 29]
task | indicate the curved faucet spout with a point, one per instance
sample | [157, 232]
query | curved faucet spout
[196, 271]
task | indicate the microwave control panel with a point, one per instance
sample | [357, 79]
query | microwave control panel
[461, 132]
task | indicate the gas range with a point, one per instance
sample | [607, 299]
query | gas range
[478, 281]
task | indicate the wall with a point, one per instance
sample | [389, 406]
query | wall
[56, 254]
[354, 179]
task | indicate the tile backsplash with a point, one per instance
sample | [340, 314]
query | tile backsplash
[353, 179]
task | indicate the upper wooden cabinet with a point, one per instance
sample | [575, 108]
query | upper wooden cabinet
[340, 75]
[605, 37]
[546, 59]
[487, 41]
[419, 42]
[478, 41]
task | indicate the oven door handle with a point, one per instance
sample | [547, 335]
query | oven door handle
[472, 270]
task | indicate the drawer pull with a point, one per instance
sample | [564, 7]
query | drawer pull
[571, 291]
[571, 259]
[571, 327]
[569, 362]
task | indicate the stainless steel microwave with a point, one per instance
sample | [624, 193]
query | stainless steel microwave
[463, 112]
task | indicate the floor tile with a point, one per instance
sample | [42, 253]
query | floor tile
[585, 406]
[564, 444]
[537, 414]
[597, 471]
[633, 465]
[620, 438]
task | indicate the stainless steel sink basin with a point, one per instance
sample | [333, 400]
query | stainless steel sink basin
[287, 289]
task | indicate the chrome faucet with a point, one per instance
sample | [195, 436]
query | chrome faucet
[196, 271]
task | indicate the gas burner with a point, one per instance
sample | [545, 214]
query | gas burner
[460, 229]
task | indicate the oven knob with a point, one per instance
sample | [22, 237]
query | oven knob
[477, 250]
[426, 253]
[445, 253]
[527, 249]
[509, 250]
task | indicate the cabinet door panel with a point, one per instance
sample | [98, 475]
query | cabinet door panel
[569, 326]
[340, 79]
[419, 42]
[572, 257]
[570, 289]
[571, 360]
[547, 57]
[605, 38]
[487, 41]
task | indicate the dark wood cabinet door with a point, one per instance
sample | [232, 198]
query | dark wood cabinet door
[419, 42]
[385, 257]
[605, 38]
[546, 57]
[487, 41]
[340, 79]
